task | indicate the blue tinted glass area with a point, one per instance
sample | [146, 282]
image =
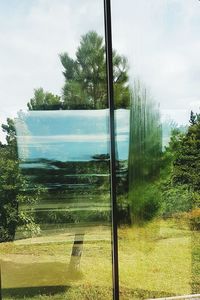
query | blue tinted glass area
[67, 154]
[79, 135]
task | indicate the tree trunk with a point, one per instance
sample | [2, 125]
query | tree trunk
[76, 254]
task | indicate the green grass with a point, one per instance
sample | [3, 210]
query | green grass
[156, 260]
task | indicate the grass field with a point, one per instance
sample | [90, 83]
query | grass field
[155, 261]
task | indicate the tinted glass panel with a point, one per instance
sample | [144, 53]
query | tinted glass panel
[158, 184]
[55, 225]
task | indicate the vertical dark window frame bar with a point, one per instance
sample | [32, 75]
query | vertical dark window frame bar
[110, 94]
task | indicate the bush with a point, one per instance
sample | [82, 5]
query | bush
[144, 201]
[175, 199]
[191, 218]
[194, 216]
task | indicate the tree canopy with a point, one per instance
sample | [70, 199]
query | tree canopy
[85, 76]
[187, 160]
[180, 180]
[15, 189]
[85, 87]
[44, 101]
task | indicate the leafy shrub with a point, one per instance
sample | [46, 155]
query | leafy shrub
[194, 216]
[191, 218]
[144, 201]
[175, 199]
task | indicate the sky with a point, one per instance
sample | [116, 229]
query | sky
[160, 38]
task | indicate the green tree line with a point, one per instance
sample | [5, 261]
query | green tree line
[152, 182]
[85, 88]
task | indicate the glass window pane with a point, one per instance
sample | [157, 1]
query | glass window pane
[158, 181]
[55, 212]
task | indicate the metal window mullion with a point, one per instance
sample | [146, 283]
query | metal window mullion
[110, 93]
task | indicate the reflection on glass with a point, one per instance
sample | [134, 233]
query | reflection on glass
[65, 196]
[66, 153]
[55, 218]
[158, 185]
[144, 155]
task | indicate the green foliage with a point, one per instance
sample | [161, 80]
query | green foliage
[11, 147]
[144, 201]
[180, 184]
[85, 76]
[175, 199]
[9, 187]
[44, 101]
[82, 197]
[13, 190]
[86, 80]
[9, 183]
[187, 160]
[145, 147]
